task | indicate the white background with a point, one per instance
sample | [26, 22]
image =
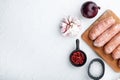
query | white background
[31, 46]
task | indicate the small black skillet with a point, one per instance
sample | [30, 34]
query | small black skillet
[78, 57]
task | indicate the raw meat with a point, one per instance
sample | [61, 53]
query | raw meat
[101, 27]
[107, 35]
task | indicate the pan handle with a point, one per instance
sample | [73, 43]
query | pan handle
[77, 44]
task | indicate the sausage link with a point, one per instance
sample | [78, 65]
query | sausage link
[116, 53]
[112, 44]
[101, 27]
[107, 35]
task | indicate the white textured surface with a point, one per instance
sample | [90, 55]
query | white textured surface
[31, 47]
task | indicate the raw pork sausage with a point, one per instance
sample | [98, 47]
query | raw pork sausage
[112, 44]
[116, 53]
[101, 27]
[107, 35]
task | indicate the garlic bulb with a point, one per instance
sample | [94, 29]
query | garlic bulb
[70, 26]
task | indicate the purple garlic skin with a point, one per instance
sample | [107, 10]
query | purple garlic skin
[70, 26]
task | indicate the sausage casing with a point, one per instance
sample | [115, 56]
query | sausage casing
[101, 27]
[112, 44]
[107, 35]
[116, 53]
